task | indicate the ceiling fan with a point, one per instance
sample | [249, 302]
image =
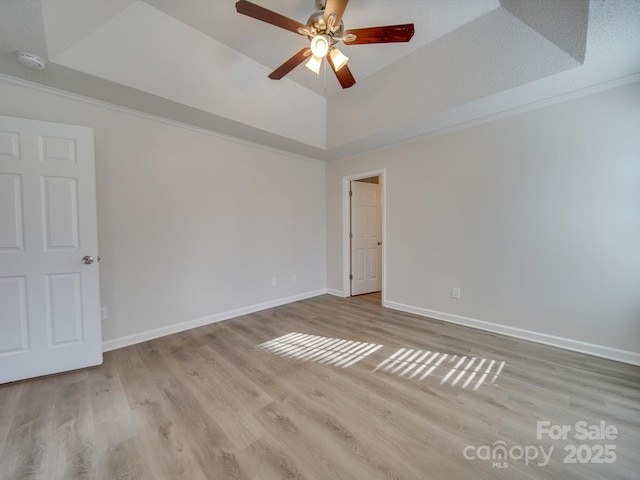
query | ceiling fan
[325, 29]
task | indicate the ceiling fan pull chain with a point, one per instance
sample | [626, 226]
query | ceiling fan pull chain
[325, 75]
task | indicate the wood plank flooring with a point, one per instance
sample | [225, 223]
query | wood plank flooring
[220, 402]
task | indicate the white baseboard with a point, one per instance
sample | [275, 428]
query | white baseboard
[199, 322]
[624, 356]
[335, 293]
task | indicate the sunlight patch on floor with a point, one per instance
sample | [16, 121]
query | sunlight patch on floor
[461, 371]
[330, 351]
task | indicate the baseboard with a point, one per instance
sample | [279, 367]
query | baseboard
[335, 293]
[624, 356]
[199, 322]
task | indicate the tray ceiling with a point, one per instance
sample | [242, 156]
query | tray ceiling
[202, 64]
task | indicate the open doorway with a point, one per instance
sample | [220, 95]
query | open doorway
[366, 236]
[364, 228]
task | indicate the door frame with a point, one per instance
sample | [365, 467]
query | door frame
[346, 228]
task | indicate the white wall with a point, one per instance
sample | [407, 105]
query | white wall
[192, 227]
[536, 217]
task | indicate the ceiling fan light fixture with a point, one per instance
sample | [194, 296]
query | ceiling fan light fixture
[320, 45]
[338, 58]
[324, 29]
[314, 64]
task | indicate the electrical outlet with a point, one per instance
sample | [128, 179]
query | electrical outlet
[274, 281]
[294, 278]
[455, 293]
[103, 313]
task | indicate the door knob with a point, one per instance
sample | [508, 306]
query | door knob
[379, 243]
[87, 260]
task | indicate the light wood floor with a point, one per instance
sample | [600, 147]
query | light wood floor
[211, 403]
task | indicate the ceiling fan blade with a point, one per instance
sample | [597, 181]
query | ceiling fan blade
[336, 7]
[344, 74]
[290, 64]
[388, 34]
[261, 13]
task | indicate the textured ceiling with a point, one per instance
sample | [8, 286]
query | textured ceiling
[202, 64]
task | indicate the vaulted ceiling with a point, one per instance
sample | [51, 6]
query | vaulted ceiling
[201, 63]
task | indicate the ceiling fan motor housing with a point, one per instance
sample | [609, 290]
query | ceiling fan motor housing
[317, 26]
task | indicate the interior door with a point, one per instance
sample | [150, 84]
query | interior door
[366, 238]
[49, 293]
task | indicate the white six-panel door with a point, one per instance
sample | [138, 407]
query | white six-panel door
[366, 229]
[49, 298]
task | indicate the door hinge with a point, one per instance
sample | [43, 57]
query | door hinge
[351, 193]
[350, 277]
[350, 234]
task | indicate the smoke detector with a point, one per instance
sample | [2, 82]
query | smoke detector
[30, 60]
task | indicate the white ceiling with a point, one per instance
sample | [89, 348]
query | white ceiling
[271, 46]
[199, 62]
